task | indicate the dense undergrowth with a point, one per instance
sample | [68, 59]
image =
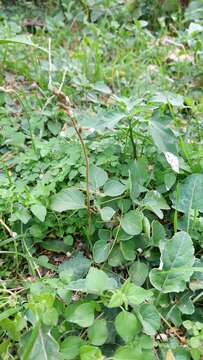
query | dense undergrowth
[101, 180]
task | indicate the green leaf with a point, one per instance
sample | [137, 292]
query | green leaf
[122, 235]
[88, 352]
[55, 246]
[158, 233]
[163, 137]
[173, 161]
[50, 317]
[117, 299]
[196, 281]
[131, 222]
[138, 273]
[39, 211]
[149, 319]
[154, 201]
[127, 325]
[169, 98]
[76, 267]
[98, 177]
[190, 194]
[82, 315]
[129, 352]
[100, 251]
[23, 40]
[43, 346]
[185, 304]
[70, 347]
[68, 199]
[98, 332]
[176, 253]
[114, 188]
[135, 294]
[107, 213]
[169, 180]
[116, 257]
[128, 250]
[138, 175]
[97, 281]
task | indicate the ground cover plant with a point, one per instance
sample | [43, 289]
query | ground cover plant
[101, 180]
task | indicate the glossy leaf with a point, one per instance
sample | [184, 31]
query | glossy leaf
[131, 222]
[149, 319]
[98, 177]
[127, 325]
[98, 332]
[82, 315]
[100, 251]
[114, 188]
[155, 202]
[68, 199]
[97, 281]
[107, 213]
[176, 253]
[190, 194]
[39, 211]
[70, 347]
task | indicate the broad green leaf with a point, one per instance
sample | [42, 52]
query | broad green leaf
[68, 199]
[129, 352]
[88, 352]
[43, 347]
[138, 175]
[146, 227]
[176, 253]
[107, 213]
[116, 257]
[97, 281]
[98, 332]
[135, 294]
[122, 235]
[185, 304]
[194, 11]
[163, 137]
[128, 250]
[158, 233]
[23, 40]
[98, 177]
[114, 188]
[82, 315]
[76, 267]
[168, 97]
[138, 273]
[172, 160]
[39, 211]
[101, 87]
[131, 222]
[127, 325]
[55, 246]
[104, 234]
[109, 119]
[196, 280]
[50, 317]
[100, 251]
[155, 202]
[149, 319]
[70, 347]
[169, 180]
[190, 194]
[117, 299]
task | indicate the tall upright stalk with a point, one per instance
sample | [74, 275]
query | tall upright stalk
[65, 103]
